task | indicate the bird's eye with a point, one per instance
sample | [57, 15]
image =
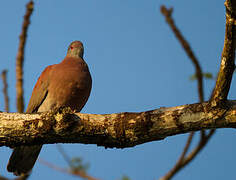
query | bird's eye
[71, 48]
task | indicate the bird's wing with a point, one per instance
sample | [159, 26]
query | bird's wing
[40, 91]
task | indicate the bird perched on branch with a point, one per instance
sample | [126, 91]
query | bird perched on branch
[67, 84]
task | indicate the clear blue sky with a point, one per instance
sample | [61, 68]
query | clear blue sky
[136, 64]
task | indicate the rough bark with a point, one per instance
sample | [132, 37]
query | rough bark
[227, 66]
[118, 130]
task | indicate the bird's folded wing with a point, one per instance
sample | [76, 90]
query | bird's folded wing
[40, 90]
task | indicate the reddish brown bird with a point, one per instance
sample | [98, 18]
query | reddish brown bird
[67, 84]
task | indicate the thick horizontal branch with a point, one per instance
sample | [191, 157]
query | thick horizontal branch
[113, 130]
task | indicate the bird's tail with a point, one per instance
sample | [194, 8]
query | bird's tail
[23, 159]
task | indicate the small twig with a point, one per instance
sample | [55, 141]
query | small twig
[202, 143]
[64, 155]
[167, 13]
[20, 58]
[188, 143]
[81, 174]
[178, 164]
[5, 92]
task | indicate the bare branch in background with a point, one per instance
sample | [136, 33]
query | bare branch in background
[168, 13]
[64, 155]
[81, 174]
[79, 169]
[201, 144]
[184, 160]
[178, 164]
[5, 92]
[20, 58]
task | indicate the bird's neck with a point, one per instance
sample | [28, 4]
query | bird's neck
[71, 59]
[75, 54]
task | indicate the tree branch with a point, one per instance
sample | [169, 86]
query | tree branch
[77, 173]
[227, 66]
[5, 87]
[20, 58]
[119, 130]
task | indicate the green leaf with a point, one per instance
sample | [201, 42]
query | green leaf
[193, 77]
[208, 75]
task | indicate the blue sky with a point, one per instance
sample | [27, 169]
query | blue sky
[136, 65]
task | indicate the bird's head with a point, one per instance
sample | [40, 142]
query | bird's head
[76, 49]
